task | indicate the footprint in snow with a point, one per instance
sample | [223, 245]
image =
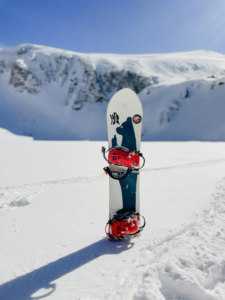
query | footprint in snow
[20, 202]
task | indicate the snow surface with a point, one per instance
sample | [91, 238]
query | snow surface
[54, 94]
[6, 135]
[54, 206]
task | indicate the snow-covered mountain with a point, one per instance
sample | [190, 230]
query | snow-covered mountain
[49, 93]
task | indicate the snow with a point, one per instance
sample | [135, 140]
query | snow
[54, 206]
[6, 135]
[54, 193]
[186, 111]
[51, 94]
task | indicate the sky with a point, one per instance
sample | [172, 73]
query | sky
[115, 26]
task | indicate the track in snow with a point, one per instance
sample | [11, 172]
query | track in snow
[20, 195]
[169, 268]
[188, 265]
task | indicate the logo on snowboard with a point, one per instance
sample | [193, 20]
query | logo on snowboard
[114, 118]
[137, 119]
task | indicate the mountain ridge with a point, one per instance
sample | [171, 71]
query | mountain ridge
[55, 90]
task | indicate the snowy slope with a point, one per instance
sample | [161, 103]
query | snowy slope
[6, 135]
[192, 110]
[55, 94]
[53, 210]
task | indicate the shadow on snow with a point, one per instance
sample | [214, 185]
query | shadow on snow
[23, 287]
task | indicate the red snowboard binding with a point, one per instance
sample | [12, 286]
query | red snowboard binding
[125, 224]
[121, 156]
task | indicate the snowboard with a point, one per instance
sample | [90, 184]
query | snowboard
[124, 126]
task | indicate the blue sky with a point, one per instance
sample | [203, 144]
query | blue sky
[115, 26]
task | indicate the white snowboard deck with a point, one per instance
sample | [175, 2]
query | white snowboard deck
[125, 104]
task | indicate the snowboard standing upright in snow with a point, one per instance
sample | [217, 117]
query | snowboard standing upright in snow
[124, 124]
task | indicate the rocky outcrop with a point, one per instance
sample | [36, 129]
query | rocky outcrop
[167, 116]
[113, 81]
[86, 81]
[4, 66]
[84, 85]
[23, 80]
[96, 86]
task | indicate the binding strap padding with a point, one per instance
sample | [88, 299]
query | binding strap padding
[117, 175]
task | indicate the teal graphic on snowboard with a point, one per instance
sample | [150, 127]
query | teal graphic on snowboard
[124, 125]
[128, 185]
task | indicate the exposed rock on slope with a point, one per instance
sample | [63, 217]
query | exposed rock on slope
[31, 68]
[23, 80]
[55, 94]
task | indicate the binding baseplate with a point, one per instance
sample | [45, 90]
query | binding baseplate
[124, 224]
